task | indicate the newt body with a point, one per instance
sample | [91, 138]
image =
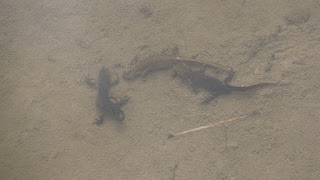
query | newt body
[152, 63]
[161, 62]
[199, 80]
[107, 105]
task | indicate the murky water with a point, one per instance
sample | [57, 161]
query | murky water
[50, 48]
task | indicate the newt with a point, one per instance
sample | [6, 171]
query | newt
[161, 62]
[199, 80]
[151, 63]
[106, 104]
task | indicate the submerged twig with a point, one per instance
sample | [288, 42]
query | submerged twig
[205, 127]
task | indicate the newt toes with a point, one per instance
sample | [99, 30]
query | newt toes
[112, 110]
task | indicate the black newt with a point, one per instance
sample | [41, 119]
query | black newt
[106, 104]
[199, 80]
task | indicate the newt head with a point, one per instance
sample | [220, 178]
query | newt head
[130, 74]
[127, 74]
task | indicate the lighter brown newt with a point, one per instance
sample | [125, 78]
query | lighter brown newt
[161, 62]
[151, 63]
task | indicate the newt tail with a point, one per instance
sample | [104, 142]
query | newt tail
[248, 88]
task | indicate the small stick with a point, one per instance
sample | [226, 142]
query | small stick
[205, 127]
